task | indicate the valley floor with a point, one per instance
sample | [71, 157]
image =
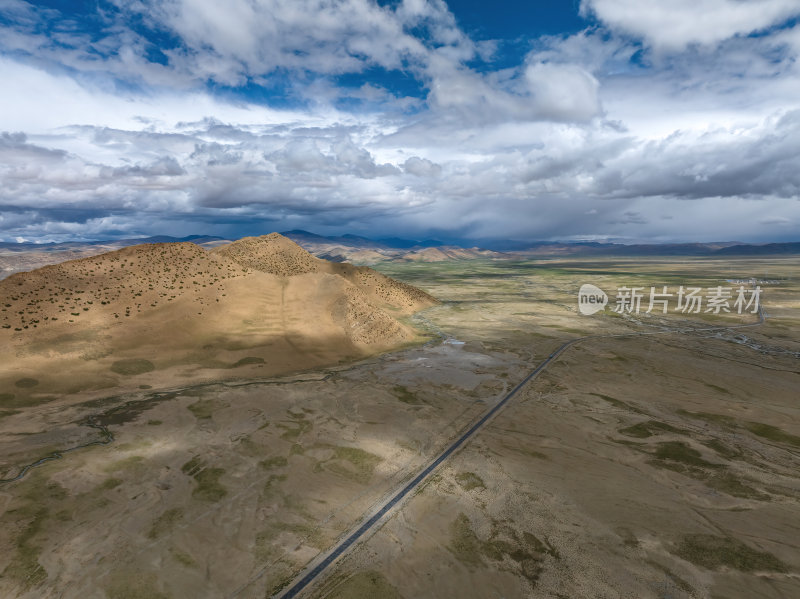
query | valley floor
[649, 466]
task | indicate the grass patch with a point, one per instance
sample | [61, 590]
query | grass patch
[203, 409]
[772, 433]
[192, 466]
[165, 523]
[680, 457]
[183, 558]
[208, 486]
[464, 543]
[722, 450]
[765, 431]
[469, 481]
[730, 484]
[133, 585]
[717, 388]
[26, 383]
[274, 462]
[24, 567]
[505, 542]
[132, 366]
[249, 360]
[353, 463]
[403, 394]
[273, 478]
[291, 432]
[677, 451]
[650, 428]
[618, 403]
[712, 552]
[110, 483]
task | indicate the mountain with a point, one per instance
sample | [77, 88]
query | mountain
[361, 250]
[305, 238]
[760, 250]
[446, 253]
[167, 313]
[52, 246]
[17, 257]
[400, 243]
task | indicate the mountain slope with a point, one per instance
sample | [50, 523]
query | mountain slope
[157, 314]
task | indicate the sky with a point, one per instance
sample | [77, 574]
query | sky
[549, 120]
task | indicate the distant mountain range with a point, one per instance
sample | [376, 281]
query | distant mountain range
[359, 250]
[394, 248]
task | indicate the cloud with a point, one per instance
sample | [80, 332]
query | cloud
[589, 135]
[185, 43]
[421, 167]
[674, 25]
[563, 92]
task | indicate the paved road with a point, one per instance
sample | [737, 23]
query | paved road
[309, 576]
[345, 544]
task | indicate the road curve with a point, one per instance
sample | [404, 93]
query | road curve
[308, 577]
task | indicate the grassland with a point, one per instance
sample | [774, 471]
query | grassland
[647, 466]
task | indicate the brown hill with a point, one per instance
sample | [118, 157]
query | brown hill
[273, 253]
[158, 314]
[445, 253]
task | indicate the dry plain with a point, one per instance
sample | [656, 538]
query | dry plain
[660, 465]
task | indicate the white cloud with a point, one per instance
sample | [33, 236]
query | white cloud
[421, 167]
[676, 24]
[563, 92]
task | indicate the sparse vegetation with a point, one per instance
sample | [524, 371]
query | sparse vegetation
[523, 548]
[274, 462]
[248, 361]
[406, 396]
[208, 486]
[364, 585]
[713, 552]
[469, 481]
[203, 409]
[643, 430]
[165, 522]
[24, 566]
[132, 366]
[126, 584]
[681, 453]
[352, 462]
[110, 483]
[26, 383]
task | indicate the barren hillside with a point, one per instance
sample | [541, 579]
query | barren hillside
[159, 313]
[445, 253]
